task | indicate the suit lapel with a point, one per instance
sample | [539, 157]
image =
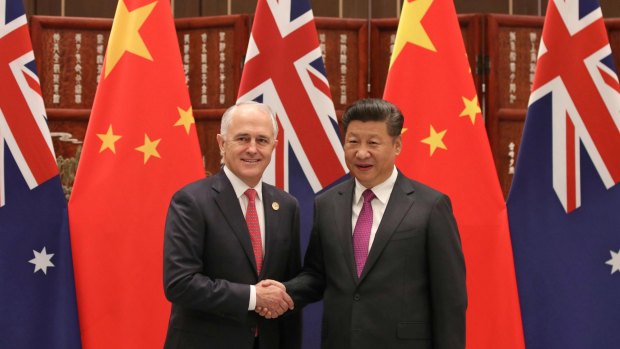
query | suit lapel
[398, 205]
[343, 224]
[228, 204]
[272, 220]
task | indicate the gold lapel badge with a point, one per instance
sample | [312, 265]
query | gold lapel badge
[275, 206]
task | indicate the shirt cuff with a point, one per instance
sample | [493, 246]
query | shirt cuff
[252, 305]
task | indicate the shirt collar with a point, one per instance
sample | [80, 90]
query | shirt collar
[382, 191]
[240, 187]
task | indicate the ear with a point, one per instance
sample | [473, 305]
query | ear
[398, 144]
[220, 142]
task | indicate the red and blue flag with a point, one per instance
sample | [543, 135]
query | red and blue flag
[37, 297]
[284, 69]
[564, 200]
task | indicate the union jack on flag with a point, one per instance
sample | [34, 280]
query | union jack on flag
[284, 69]
[564, 199]
[586, 95]
[37, 297]
[23, 125]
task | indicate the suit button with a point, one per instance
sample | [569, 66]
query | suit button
[356, 297]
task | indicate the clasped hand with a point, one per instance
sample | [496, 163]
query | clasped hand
[272, 299]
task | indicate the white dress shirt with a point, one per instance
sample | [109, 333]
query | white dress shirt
[240, 187]
[382, 195]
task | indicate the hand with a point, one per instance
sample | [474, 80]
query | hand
[272, 299]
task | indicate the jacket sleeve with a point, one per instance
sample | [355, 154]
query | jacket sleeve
[184, 282]
[447, 277]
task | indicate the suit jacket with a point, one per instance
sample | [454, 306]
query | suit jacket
[411, 293]
[209, 264]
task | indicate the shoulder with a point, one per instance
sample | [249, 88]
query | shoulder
[203, 187]
[419, 189]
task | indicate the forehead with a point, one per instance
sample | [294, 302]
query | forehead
[367, 128]
[250, 120]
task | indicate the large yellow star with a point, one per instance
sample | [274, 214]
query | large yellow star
[410, 29]
[471, 108]
[108, 139]
[125, 37]
[186, 118]
[435, 140]
[149, 148]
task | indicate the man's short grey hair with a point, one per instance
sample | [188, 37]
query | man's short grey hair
[263, 108]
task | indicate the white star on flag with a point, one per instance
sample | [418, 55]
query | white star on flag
[614, 261]
[42, 260]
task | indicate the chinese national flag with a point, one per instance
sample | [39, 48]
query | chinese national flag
[445, 145]
[140, 147]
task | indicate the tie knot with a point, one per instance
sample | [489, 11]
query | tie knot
[251, 194]
[368, 195]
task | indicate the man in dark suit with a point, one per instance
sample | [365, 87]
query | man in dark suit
[385, 253]
[225, 233]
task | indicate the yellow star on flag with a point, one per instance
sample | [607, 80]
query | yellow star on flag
[471, 108]
[125, 37]
[149, 148]
[186, 118]
[410, 29]
[435, 140]
[108, 139]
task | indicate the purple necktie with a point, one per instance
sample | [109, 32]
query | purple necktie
[361, 233]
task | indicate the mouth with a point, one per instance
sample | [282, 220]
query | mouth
[251, 161]
[363, 167]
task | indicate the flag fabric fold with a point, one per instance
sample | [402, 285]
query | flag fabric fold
[140, 147]
[38, 304]
[284, 69]
[445, 146]
[564, 199]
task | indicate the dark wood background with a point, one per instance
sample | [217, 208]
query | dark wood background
[501, 48]
[321, 8]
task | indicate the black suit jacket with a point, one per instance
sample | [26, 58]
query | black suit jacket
[209, 264]
[411, 293]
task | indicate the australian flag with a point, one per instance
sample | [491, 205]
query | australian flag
[37, 296]
[564, 204]
[284, 69]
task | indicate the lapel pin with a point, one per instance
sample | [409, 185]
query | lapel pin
[275, 206]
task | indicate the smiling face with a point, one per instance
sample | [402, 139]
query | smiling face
[248, 143]
[370, 152]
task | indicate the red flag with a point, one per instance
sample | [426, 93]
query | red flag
[445, 146]
[140, 147]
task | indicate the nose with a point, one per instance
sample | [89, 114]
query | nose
[362, 153]
[251, 146]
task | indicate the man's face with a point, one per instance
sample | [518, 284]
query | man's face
[248, 144]
[370, 151]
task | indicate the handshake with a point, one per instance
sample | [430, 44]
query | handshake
[272, 299]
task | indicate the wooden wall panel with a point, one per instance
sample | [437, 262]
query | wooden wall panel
[326, 8]
[90, 8]
[187, 8]
[344, 44]
[212, 8]
[47, 7]
[512, 43]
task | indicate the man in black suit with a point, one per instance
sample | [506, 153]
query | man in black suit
[385, 252]
[225, 233]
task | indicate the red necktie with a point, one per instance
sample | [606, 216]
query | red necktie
[251, 218]
[361, 233]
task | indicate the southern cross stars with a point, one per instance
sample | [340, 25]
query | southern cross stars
[614, 261]
[42, 260]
